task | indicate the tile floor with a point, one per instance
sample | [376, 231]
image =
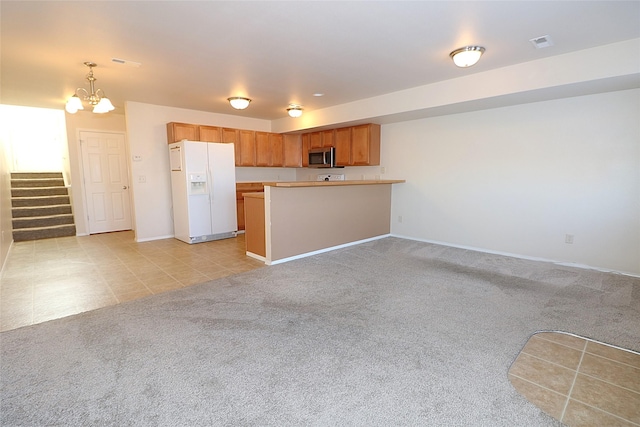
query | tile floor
[52, 278]
[578, 381]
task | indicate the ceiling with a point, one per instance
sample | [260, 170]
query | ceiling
[195, 55]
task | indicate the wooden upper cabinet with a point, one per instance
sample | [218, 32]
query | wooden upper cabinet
[365, 145]
[210, 133]
[232, 136]
[305, 149]
[179, 131]
[247, 148]
[263, 150]
[292, 151]
[315, 140]
[343, 146]
[276, 147]
[328, 138]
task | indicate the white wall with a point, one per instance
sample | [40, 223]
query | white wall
[147, 137]
[518, 179]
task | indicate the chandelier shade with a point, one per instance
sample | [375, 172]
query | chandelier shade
[96, 97]
[294, 111]
[238, 102]
[467, 56]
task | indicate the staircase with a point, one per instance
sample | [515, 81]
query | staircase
[40, 206]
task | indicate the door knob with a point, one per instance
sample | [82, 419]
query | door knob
[124, 187]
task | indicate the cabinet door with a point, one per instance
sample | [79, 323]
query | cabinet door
[263, 151]
[365, 145]
[247, 148]
[179, 131]
[292, 151]
[315, 140]
[328, 138]
[231, 136]
[276, 149]
[305, 149]
[343, 146]
[209, 133]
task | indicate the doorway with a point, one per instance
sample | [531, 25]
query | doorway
[106, 181]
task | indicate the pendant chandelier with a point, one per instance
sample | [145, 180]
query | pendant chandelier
[101, 104]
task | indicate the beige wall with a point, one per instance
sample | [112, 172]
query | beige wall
[309, 219]
[6, 229]
[516, 180]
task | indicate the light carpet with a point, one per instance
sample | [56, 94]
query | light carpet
[391, 332]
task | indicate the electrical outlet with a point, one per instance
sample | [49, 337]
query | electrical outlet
[568, 239]
[142, 179]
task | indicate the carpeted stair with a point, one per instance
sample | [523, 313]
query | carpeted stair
[41, 208]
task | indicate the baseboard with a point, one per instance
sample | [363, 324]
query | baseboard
[151, 239]
[4, 261]
[520, 256]
[320, 251]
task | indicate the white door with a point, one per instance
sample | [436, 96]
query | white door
[106, 181]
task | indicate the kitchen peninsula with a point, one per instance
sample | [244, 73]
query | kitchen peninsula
[304, 218]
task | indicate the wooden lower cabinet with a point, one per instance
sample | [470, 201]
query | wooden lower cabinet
[245, 187]
[254, 236]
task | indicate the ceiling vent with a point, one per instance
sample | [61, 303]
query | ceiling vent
[542, 41]
[126, 62]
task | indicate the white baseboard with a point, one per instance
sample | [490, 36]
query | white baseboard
[520, 256]
[320, 251]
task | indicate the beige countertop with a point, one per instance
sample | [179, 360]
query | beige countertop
[289, 184]
[255, 195]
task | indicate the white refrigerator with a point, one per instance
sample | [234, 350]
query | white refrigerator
[203, 187]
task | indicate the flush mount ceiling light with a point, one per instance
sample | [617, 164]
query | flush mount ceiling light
[238, 102]
[467, 56]
[294, 110]
[101, 104]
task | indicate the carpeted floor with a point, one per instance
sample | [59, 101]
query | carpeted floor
[391, 332]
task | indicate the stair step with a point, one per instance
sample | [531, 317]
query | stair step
[43, 182]
[29, 175]
[38, 191]
[44, 232]
[42, 221]
[18, 202]
[30, 211]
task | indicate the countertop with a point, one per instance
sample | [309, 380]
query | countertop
[332, 183]
[255, 195]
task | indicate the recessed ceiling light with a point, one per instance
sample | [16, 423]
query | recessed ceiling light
[542, 41]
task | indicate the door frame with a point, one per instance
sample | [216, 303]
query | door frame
[82, 194]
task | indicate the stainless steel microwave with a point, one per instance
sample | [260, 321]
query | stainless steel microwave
[322, 157]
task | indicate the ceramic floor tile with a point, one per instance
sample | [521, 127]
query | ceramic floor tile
[613, 372]
[580, 415]
[545, 374]
[607, 397]
[623, 356]
[44, 280]
[605, 389]
[550, 402]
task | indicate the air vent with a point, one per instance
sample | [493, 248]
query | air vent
[126, 62]
[541, 42]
